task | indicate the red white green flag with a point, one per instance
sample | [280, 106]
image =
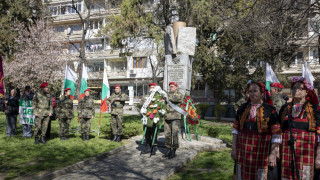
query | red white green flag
[105, 94]
[84, 79]
[70, 81]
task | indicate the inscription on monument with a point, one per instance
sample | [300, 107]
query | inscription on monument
[176, 73]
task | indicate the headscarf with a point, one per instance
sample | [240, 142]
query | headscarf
[311, 94]
[266, 94]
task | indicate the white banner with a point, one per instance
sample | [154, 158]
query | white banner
[26, 112]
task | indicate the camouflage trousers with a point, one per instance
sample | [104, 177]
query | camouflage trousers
[116, 124]
[64, 126]
[41, 123]
[85, 125]
[171, 132]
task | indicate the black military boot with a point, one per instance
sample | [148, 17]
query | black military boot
[147, 149]
[173, 153]
[118, 138]
[154, 150]
[42, 140]
[36, 140]
[167, 153]
[114, 138]
[87, 137]
[83, 137]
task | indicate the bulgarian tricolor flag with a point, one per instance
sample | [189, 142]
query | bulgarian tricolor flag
[84, 79]
[270, 77]
[70, 81]
[105, 92]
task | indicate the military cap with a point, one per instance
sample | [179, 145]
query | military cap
[173, 83]
[87, 90]
[116, 86]
[43, 85]
[278, 85]
[67, 89]
[153, 84]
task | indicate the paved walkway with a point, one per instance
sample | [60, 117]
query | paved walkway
[129, 164]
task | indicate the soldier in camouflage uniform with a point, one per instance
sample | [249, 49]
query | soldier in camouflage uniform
[172, 121]
[117, 101]
[42, 108]
[277, 100]
[65, 113]
[86, 112]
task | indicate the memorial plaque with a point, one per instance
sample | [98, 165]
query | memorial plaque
[178, 70]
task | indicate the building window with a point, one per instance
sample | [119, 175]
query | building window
[54, 11]
[72, 49]
[77, 27]
[96, 67]
[59, 29]
[118, 66]
[140, 62]
[94, 47]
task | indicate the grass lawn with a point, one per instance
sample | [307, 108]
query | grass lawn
[21, 157]
[216, 165]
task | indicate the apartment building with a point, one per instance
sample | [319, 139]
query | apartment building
[133, 72]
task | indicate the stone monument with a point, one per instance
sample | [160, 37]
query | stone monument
[179, 56]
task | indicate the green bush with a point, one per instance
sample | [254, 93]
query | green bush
[202, 109]
[219, 110]
[213, 132]
[128, 130]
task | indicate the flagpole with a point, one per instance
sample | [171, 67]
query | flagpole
[99, 120]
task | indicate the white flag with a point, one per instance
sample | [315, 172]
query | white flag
[306, 73]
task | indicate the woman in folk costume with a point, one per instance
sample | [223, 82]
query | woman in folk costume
[303, 114]
[256, 135]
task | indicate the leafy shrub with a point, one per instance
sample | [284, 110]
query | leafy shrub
[202, 109]
[219, 110]
[128, 130]
[213, 132]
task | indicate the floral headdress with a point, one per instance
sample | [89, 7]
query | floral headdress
[266, 93]
[302, 80]
[311, 94]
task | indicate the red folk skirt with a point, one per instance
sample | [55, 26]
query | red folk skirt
[304, 146]
[252, 155]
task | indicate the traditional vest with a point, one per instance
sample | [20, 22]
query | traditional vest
[305, 119]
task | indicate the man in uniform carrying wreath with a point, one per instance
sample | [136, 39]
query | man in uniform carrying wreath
[153, 111]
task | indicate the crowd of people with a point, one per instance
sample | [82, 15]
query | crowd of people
[274, 138]
[45, 109]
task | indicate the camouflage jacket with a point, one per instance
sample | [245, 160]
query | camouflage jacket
[65, 107]
[176, 98]
[86, 107]
[278, 102]
[117, 105]
[42, 104]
